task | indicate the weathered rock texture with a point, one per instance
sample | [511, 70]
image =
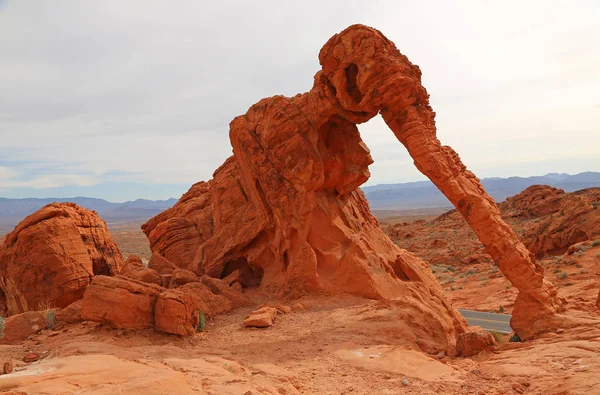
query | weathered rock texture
[563, 219]
[472, 343]
[120, 302]
[51, 257]
[286, 210]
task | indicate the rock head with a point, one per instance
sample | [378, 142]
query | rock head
[51, 257]
[286, 209]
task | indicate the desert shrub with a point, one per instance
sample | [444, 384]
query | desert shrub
[501, 309]
[515, 339]
[556, 271]
[50, 317]
[562, 275]
[1, 327]
[201, 321]
[47, 310]
[469, 273]
[499, 337]
[596, 243]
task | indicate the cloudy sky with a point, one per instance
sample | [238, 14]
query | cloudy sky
[127, 99]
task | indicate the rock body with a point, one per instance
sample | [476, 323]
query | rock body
[286, 209]
[51, 257]
[563, 219]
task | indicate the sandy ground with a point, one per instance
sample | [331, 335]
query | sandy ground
[330, 346]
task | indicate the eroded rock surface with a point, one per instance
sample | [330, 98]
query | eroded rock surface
[51, 257]
[286, 210]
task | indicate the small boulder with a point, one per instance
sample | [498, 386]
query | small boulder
[178, 310]
[220, 287]
[261, 318]
[8, 367]
[472, 343]
[31, 357]
[20, 326]
[135, 269]
[181, 277]
[71, 313]
[120, 302]
[161, 264]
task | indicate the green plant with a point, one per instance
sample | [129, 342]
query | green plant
[501, 309]
[562, 275]
[499, 337]
[50, 317]
[1, 327]
[201, 321]
[596, 243]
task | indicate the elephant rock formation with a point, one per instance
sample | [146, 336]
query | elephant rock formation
[286, 211]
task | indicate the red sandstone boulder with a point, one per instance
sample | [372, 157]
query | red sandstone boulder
[261, 318]
[178, 310]
[472, 343]
[161, 264]
[120, 302]
[71, 313]
[135, 269]
[219, 287]
[20, 326]
[51, 257]
[181, 277]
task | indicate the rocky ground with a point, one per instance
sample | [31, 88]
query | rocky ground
[340, 344]
[327, 345]
[472, 279]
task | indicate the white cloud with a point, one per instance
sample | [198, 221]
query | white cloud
[144, 90]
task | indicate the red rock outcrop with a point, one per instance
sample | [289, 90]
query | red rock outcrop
[472, 343]
[178, 310]
[120, 302]
[534, 202]
[51, 257]
[576, 219]
[135, 269]
[20, 326]
[286, 210]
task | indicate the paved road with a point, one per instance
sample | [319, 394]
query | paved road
[488, 321]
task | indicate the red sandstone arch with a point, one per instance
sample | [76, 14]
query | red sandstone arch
[287, 203]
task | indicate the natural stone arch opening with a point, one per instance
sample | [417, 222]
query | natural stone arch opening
[288, 201]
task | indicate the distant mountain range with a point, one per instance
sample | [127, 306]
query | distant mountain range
[405, 196]
[423, 194]
[13, 211]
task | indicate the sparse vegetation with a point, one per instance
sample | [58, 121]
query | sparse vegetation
[562, 275]
[596, 243]
[501, 309]
[1, 327]
[201, 321]
[499, 337]
[47, 310]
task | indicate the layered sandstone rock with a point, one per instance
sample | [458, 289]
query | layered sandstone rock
[178, 311]
[472, 343]
[285, 210]
[51, 257]
[20, 326]
[120, 302]
[135, 269]
[576, 219]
